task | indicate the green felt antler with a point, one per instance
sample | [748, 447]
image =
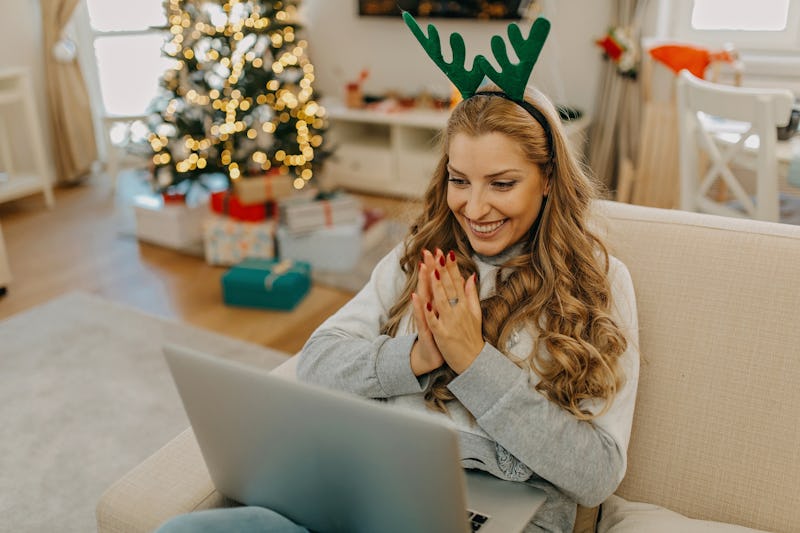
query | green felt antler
[514, 78]
[466, 81]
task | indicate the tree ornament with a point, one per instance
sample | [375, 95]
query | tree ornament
[621, 49]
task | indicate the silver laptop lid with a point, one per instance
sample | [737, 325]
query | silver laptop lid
[327, 460]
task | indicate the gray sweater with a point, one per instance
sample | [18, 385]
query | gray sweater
[505, 426]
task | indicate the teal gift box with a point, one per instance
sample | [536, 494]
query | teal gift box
[266, 283]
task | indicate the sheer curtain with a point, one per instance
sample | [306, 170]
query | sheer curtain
[74, 143]
[614, 135]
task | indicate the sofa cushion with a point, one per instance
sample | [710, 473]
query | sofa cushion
[622, 516]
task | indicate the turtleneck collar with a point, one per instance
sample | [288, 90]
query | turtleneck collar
[502, 257]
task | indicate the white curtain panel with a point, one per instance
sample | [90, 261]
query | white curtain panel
[614, 135]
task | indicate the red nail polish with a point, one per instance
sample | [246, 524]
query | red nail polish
[428, 306]
[441, 260]
[436, 273]
[452, 255]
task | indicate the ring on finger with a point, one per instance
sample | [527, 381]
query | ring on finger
[452, 301]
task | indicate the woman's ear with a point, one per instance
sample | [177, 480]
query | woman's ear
[546, 187]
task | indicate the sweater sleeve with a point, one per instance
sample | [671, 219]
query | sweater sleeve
[585, 460]
[347, 352]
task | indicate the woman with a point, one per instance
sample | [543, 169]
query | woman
[538, 366]
[502, 311]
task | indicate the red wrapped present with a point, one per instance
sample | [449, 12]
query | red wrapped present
[228, 203]
[173, 198]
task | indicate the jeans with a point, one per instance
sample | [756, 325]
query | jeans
[233, 520]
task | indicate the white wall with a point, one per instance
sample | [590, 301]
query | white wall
[341, 44]
[21, 46]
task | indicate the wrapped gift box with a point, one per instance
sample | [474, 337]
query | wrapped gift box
[174, 225]
[229, 204]
[302, 215]
[336, 249]
[228, 241]
[252, 190]
[267, 284]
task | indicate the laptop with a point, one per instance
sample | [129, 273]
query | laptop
[332, 461]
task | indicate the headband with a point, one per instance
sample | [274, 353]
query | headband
[512, 78]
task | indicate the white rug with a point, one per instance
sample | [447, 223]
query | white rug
[85, 395]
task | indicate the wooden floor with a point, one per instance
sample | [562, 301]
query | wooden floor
[77, 246]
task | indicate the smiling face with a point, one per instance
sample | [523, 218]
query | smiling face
[494, 192]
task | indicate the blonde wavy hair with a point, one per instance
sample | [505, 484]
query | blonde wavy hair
[558, 282]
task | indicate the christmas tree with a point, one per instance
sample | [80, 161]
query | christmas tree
[239, 100]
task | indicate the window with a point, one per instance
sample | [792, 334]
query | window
[127, 43]
[772, 25]
[119, 46]
[766, 15]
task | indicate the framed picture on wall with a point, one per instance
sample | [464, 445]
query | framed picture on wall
[475, 9]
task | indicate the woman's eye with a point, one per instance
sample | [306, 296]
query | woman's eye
[458, 182]
[503, 185]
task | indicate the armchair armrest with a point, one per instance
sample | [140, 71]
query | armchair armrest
[174, 480]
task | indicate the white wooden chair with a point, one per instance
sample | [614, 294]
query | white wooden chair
[703, 107]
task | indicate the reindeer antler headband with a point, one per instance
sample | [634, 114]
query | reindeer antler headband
[512, 78]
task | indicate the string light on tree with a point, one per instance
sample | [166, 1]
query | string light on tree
[239, 98]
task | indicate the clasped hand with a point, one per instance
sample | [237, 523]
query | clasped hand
[447, 313]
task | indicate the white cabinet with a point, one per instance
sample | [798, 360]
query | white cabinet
[393, 153]
[381, 152]
[16, 92]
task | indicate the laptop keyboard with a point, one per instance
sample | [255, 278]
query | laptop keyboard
[476, 519]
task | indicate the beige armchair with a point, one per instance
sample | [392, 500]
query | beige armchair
[715, 433]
